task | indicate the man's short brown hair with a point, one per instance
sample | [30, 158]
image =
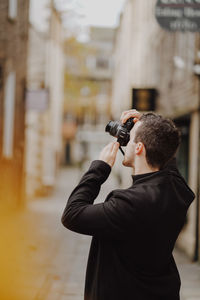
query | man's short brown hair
[160, 137]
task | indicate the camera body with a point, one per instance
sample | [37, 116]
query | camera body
[120, 131]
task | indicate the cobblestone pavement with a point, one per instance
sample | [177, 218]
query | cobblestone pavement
[53, 259]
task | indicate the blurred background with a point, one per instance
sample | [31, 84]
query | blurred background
[67, 67]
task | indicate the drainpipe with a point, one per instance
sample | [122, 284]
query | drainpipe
[196, 252]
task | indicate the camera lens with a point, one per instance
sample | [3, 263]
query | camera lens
[107, 129]
[112, 127]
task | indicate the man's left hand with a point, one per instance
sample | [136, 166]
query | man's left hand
[109, 153]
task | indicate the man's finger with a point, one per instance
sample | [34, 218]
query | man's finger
[129, 115]
[132, 113]
[124, 113]
[109, 147]
[115, 148]
[135, 120]
[127, 112]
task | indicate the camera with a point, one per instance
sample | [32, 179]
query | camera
[120, 131]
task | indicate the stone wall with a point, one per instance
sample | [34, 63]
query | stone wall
[13, 56]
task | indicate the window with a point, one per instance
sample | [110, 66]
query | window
[1, 75]
[12, 9]
[102, 63]
[144, 99]
[9, 114]
[183, 124]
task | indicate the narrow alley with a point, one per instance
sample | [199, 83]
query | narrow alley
[68, 71]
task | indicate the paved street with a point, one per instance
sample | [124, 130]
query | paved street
[53, 259]
[190, 276]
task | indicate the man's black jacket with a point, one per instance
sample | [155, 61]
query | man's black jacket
[134, 232]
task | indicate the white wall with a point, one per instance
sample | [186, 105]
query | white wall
[39, 13]
[45, 69]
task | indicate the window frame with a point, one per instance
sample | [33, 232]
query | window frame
[12, 9]
[9, 115]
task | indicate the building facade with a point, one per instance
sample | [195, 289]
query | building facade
[179, 99]
[44, 98]
[13, 66]
[154, 66]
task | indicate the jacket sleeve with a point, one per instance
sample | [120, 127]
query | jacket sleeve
[105, 219]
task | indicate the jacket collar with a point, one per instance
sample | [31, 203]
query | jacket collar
[171, 165]
[141, 176]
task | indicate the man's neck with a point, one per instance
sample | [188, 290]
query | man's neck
[144, 168]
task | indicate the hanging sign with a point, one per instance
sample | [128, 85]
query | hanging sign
[178, 15]
[144, 99]
[37, 100]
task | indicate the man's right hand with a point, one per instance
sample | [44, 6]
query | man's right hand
[132, 113]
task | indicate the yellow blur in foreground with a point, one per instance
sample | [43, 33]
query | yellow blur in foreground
[15, 264]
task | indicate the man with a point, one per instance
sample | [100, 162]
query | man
[135, 229]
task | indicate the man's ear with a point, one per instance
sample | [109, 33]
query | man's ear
[139, 148]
